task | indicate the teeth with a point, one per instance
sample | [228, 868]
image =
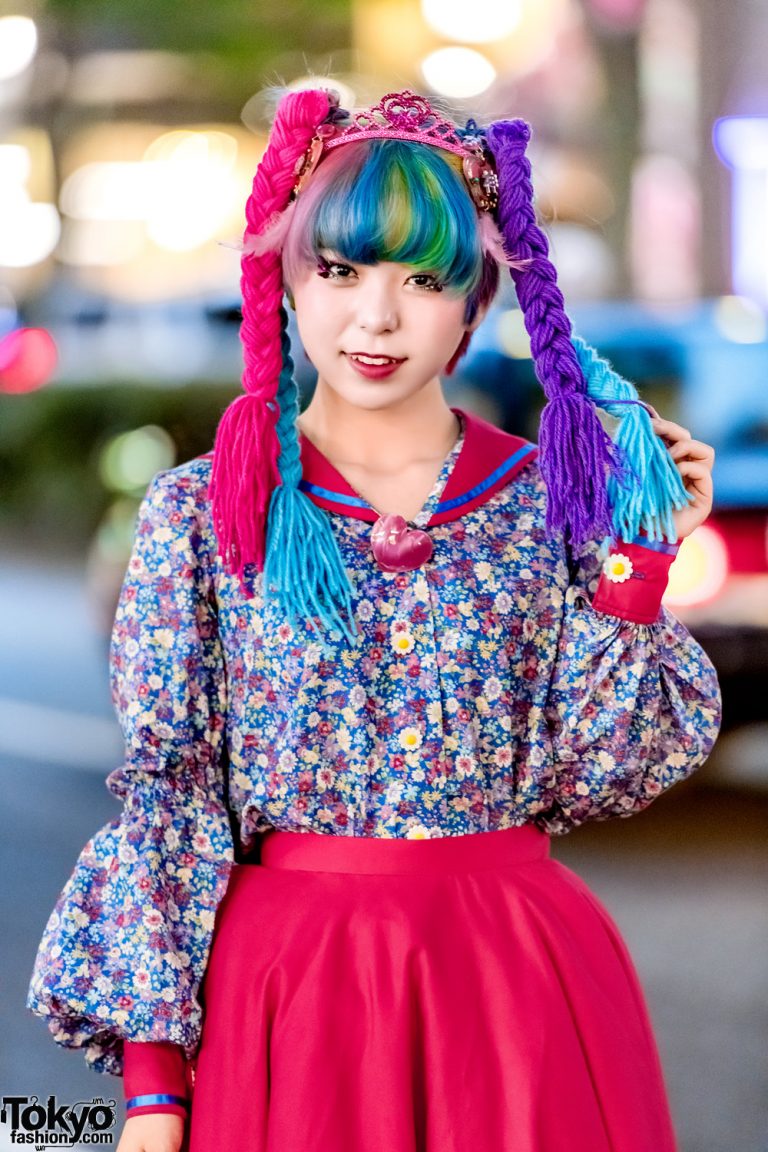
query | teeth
[374, 359]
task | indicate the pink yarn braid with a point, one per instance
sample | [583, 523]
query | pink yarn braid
[245, 470]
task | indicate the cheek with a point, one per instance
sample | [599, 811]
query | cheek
[315, 317]
[447, 325]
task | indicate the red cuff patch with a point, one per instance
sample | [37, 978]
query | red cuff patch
[154, 1067]
[634, 579]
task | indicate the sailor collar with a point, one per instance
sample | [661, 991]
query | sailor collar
[488, 459]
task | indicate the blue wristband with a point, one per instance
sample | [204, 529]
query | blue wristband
[664, 546]
[156, 1098]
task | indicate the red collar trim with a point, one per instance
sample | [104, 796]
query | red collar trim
[489, 458]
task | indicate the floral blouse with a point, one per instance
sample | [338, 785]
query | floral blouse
[504, 682]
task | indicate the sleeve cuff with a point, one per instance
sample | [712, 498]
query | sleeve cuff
[156, 1078]
[634, 578]
[159, 1103]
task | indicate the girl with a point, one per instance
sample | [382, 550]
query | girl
[367, 663]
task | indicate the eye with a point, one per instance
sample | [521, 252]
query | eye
[428, 281]
[333, 269]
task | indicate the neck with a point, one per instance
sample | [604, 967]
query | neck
[421, 427]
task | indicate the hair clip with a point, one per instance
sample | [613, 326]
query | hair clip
[306, 165]
[481, 177]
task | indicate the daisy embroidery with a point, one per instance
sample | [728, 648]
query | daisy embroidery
[618, 567]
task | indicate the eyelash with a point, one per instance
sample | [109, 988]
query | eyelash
[435, 286]
[325, 269]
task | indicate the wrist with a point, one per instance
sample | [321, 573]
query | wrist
[155, 1078]
[634, 578]
[157, 1104]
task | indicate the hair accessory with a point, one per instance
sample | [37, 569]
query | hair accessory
[481, 179]
[410, 117]
[306, 164]
[403, 116]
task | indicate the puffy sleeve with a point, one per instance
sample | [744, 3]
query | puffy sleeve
[634, 703]
[124, 950]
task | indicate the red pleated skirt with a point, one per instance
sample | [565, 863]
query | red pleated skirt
[462, 994]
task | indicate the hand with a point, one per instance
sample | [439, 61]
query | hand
[153, 1132]
[694, 461]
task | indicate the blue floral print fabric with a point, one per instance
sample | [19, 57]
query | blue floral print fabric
[484, 692]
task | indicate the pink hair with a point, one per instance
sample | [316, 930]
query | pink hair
[245, 470]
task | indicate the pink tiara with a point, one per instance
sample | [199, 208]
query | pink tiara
[401, 116]
[404, 116]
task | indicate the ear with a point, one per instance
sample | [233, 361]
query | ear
[469, 329]
[481, 314]
[460, 351]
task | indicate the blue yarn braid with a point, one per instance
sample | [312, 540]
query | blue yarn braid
[651, 487]
[303, 568]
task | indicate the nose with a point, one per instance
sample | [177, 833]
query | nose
[377, 307]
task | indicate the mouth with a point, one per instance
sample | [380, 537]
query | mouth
[373, 367]
[375, 361]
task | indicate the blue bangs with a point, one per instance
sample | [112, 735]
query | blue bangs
[385, 200]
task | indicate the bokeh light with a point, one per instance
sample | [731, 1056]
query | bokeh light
[458, 72]
[114, 536]
[741, 142]
[512, 335]
[28, 359]
[195, 190]
[476, 23]
[129, 461]
[183, 188]
[117, 190]
[18, 44]
[700, 569]
[741, 320]
[29, 232]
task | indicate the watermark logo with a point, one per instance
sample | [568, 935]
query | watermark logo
[47, 1123]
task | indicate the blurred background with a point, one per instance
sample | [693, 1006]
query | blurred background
[129, 133]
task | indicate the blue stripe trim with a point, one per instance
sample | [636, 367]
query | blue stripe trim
[333, 497]
[446, 505]
[443, 505]
[155, 1098]
[656, 545]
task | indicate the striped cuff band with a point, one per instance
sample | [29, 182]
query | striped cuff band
[657, 545]
[155, 1098]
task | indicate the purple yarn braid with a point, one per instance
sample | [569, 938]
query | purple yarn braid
[576, 453]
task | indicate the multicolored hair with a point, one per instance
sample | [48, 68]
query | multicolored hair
[379, 200]
[403, 200]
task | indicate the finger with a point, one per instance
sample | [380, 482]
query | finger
[692, 449]
[668, 428]
[699, 476]
[694, 468]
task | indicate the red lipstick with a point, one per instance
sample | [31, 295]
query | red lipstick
[373, 371]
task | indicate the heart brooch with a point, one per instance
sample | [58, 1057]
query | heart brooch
[398, 548]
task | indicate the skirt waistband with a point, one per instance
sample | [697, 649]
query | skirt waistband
[319, 852]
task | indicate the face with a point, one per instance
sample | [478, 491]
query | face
[377, 333]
